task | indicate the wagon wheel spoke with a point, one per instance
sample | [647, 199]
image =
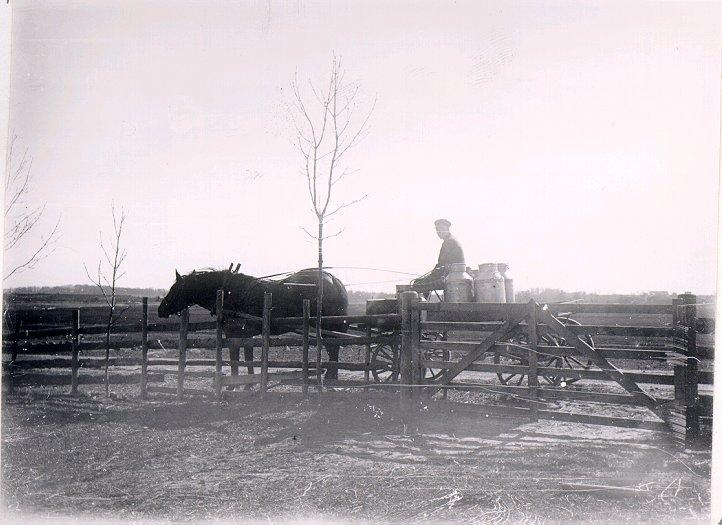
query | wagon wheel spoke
[385, 362]
[431, 374]
[502, 357]
[570, 362]
[552, 361]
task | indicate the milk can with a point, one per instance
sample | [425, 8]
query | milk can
[458, 285]
[489, 285]
[508, 282]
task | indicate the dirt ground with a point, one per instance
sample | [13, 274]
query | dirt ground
[346, 456]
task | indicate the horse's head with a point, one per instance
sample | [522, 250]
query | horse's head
[176, 299]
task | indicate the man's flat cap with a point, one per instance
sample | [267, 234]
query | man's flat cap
[442, 224]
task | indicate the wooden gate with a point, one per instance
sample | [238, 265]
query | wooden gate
[531, 341]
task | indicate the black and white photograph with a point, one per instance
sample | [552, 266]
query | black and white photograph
[360, 261]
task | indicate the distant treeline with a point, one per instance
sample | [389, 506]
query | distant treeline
[85, 289]
[89, 294]
[553, 295]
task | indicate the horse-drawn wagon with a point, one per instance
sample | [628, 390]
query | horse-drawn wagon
[385, 357]
[243, 305]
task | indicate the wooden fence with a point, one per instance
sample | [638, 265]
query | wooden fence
[538, 345]
[526, 342]
[23, 344]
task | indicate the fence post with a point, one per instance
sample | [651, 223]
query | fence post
[219, 344]
[74, 358]
[319, 375]
[406, 361]
[417, 376]
[680, 381]
[182, 350]
[675, 312]
[367, 356]
[14, 353]
[306, 317]
[691, 376]
[266, 335]
[16, 338]
[144, 353]
[533, 377]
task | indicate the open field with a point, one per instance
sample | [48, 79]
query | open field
[348, 454]
[345, 456]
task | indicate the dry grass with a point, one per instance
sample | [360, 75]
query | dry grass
[348, 456]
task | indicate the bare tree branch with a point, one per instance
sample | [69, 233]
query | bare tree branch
[45, 249]
[308, 233]
[345, 205]
[21, 218]
[108, 274]
[322, 144]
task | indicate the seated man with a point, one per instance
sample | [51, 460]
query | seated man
[451, 252]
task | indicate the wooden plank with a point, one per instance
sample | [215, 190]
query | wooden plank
[249, 379]
[188, 373]
[182, 349]
[691, 374]
[471, 311]
[219, 344]
[367, 355]
[599, 375]
[265, 335]
[371, 319]
[614, 373]
[37, 333]
[472, 356]
[57, 380]
[560, 351]
[532, 378]
[299, 364]
[406, 355]
[417, 373]
[589, 308]
[460, 326]
[144, 352]
[305, 339]
[608, 330]
[164, 327]
[74, 358]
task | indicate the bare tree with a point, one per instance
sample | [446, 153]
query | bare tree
[326, 126]
[21, 216]
[107, 277]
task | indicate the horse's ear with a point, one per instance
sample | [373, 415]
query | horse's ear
[230, 267]
[177, 276]
[238, 267]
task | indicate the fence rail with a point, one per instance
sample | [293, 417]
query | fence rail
[676, 344]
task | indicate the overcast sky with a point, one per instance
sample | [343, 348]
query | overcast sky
[579, 142]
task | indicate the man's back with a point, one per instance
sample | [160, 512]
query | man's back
[451, 252]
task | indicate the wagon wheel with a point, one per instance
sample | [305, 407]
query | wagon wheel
[510, 357]
[385, 362]
[568, 361]
[553, 361]
[517, 357]
[431, 374]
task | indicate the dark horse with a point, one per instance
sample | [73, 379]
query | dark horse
[244, 294]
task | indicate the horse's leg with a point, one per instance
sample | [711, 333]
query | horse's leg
[248, 355]
[235, 352]
[333, 350]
